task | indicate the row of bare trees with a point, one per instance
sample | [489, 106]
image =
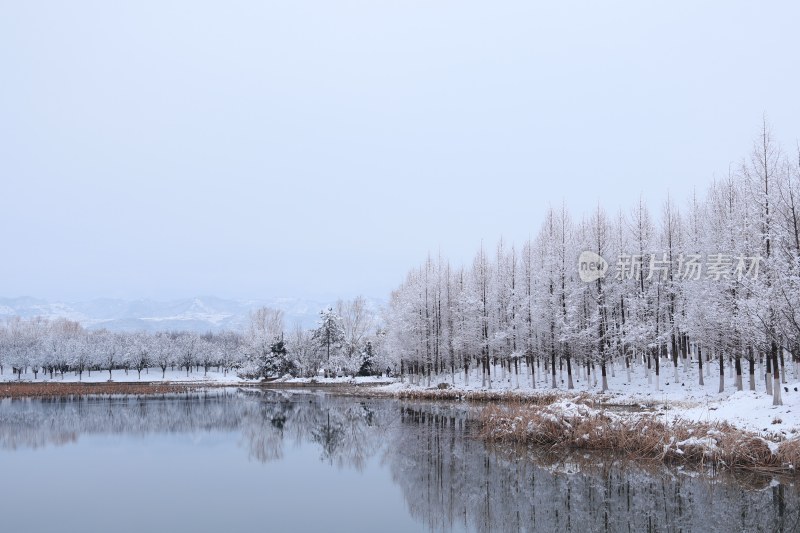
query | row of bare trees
[39, 345]
[712, 280]
[346, 341]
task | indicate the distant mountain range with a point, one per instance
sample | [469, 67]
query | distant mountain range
[207, 313]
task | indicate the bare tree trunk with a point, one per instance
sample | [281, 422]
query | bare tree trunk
[768, 375]
[588, 375]
[569, 374]
[628, 367]
[776, 393]
[700, 364]
[674, 349]
[738, 364]
[782, 351]
[532, 370]
[658, 372]
[603, 374]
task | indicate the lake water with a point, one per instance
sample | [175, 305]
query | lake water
[278, 461]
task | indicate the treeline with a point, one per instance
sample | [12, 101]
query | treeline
[711, 280]
[345, 342]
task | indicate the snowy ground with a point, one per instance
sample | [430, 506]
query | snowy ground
[173, 376]
[366, 380]
[684, 398]
[120, 376]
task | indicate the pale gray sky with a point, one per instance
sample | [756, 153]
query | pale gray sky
[321, 148]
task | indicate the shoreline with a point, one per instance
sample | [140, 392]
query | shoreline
[25, 389]
[577, 426]
[643, 428]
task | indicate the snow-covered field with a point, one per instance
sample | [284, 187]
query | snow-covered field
[178, 376]
[684, 398]
[120, 376]
[358, 380]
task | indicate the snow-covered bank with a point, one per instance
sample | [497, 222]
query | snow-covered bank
[683, 399]
[343, 380]
[195, 377]
[131, 376]
[644, 435]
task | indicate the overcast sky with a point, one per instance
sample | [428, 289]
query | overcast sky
[320, 149]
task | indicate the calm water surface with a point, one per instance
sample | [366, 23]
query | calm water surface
[278, 461]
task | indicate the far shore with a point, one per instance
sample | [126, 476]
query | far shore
[738, 429]
[747, 410]
[28, 388]
[51, 389]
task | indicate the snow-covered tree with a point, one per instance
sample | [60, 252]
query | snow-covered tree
[329, 337]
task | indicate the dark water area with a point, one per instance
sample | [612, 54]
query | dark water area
[236, 460]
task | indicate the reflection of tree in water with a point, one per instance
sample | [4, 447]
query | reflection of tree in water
[32, 423]
[450, 481]
[330, 437]
[347, 436]
[263, 430]
[266, 421]
[448, 477]
[347, 432]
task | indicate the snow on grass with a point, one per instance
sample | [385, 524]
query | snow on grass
[343, 379]
[684, 399]
[569, 424]
[120, 376]
[154, 375]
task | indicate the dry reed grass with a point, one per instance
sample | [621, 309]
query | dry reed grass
[512, 397]
[579, 426]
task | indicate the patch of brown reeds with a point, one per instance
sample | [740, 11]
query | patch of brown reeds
[544, 398]
[50, 389]
[789, 452]
[578, 426]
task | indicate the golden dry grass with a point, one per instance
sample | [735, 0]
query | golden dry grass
[506, 396]
[50, 389]
[638, 436]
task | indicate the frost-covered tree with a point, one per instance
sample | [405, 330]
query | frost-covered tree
[164, 353]
[142, 347]
[760, 172]
[265, 333]
[716, 283]
[357, 323]
[304, 351]
[329, 336]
